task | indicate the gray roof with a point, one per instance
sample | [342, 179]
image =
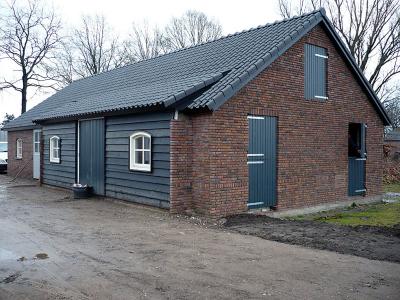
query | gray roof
[216, 70]
[393, 135]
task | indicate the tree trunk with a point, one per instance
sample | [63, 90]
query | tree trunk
[23, 93]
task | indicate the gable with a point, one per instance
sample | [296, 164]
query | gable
[243, 77]
[279, 91]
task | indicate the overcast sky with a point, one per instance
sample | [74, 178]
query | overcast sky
[233, 15]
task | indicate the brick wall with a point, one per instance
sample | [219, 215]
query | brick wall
[312, 143]
[181, 167]
[26, 163]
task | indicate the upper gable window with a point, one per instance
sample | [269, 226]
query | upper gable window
[315, 66]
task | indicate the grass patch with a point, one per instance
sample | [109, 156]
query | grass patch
[392, 187]
[382, 214]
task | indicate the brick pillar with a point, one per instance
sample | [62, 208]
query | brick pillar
[181, 165]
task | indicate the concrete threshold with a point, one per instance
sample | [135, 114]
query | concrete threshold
[314, 209]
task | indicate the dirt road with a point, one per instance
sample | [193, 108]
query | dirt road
[372, 242]
[52, 247]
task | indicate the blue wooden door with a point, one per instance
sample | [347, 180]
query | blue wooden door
[357, 161]
[356, 176]
[91, 154]
[261, 161]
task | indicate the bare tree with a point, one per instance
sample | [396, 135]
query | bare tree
[7, 118]
[287, 9]
[61, 68]
[96, 48]
[371, 31]
[393, 109]
[190, 29]
[28, 38]
[144, 43]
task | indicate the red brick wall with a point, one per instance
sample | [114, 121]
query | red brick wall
[26, 163]
[312, 142]
[181, 167]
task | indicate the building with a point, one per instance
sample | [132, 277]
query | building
[392, 139]
[277, 116]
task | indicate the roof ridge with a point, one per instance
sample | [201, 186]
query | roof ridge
[320, 10]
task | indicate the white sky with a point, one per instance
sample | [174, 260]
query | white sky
[233, 15]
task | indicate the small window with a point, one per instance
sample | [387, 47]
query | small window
[140, 151]
[55, 149]
[19, 148]
[315, 72]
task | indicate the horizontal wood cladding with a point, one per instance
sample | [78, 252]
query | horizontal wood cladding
[142, 187]
[62, 174]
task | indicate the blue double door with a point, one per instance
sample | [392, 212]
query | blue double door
[261, 161]
[91, 154]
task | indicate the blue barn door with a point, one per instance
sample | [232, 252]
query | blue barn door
[357, 159]
[261, 161]
[91, 154]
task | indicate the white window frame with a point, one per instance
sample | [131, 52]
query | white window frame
[36, 141]
[54, 159]
[133, 165]
[19, 148]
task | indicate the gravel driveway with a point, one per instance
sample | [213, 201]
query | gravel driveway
[52, 247]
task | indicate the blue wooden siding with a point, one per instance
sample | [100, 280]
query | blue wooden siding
[143, 187]
[315, 85]
[62, 174]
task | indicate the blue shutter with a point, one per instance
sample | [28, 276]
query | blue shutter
[315, 61]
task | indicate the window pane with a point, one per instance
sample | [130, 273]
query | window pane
[146, 143]
[54, 142]
[36, 147]
[147, 157]
[54, 153]
[139, 142]
[138, 157]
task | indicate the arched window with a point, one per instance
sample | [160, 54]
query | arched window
[140, 151]
[55, 149]
[19, 148]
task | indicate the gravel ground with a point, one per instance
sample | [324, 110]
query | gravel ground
[54, 247]
[378, 243]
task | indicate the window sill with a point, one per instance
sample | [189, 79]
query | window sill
[317, 99]
[145, 170]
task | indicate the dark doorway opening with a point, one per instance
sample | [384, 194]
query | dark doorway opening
[354, 145]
